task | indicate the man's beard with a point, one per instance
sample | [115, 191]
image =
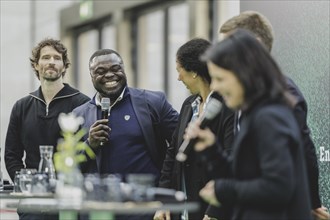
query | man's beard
[53, 79]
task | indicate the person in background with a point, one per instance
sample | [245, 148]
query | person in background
[33, 119]
[266, 174]
[136, 133]
[190, 176]
[262, 29]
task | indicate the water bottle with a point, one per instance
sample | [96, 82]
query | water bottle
[46, 164]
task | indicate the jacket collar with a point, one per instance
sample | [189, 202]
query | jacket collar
[66, 91]
[97, 98]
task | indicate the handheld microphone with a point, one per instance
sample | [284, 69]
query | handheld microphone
[212, 109]
[105, 105]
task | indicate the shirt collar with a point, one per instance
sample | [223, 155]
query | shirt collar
[198, 100]
[208, 99]
[98, 98]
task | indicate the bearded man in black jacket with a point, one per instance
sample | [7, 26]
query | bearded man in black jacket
[33, 120]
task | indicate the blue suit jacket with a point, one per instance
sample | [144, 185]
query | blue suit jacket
[156, 117]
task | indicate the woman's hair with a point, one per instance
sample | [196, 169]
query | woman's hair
[251, 63]
[188, 56]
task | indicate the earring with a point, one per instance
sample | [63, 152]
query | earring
[194, 76]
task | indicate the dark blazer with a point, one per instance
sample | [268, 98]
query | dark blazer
[193, 170]
[300, 112]
[267, 167]
[155, 115]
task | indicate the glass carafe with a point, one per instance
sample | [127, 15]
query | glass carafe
[46, 164]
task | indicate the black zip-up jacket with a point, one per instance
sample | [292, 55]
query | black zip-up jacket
[33, 123]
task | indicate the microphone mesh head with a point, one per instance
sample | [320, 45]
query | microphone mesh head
[105, 104]
[212, 108]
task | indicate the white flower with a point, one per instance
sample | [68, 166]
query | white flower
[69, 122]
[69, 161]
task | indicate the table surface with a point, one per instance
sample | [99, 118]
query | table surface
[13, 195]
[52, 205]
[48, 203]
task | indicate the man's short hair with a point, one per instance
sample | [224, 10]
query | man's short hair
[102, 52]
[253, 21]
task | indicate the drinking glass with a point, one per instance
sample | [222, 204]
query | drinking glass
[25, 180]
[93, 189]
[140, 184]
[112, 182]
[40, 183]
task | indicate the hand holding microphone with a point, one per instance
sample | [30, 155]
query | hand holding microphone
[105, 105]
[100, 129]
[212, 109]
[201, 138]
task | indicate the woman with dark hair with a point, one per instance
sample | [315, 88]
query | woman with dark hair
[190, 176]
[265, 175]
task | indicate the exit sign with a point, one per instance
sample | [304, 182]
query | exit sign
[86, 9]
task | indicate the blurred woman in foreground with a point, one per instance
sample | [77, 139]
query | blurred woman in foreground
[265, 174]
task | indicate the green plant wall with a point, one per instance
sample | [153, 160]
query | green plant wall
[302, 50]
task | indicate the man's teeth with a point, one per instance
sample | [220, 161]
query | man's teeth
[111, 83]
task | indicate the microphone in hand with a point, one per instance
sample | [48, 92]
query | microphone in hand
[105, 105]
[212, 109]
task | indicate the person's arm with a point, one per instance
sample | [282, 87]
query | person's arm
[168, 119]
[227, 129]
[14, 149]
[319, 212]
[212, 154]
[97, 131]
[165, 180]
[300, 112]
[216, 156]
[164, 123]
[209, 149]
[219, 166]
[168, 165]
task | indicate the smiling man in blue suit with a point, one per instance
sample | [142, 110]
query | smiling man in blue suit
[139, 126]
